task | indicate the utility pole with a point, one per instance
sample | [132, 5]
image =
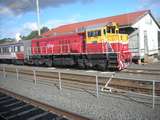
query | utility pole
[38, 18]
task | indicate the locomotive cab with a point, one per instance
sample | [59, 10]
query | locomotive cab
[105, 34]
[106, 39]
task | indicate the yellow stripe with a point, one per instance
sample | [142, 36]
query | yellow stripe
[108, 38]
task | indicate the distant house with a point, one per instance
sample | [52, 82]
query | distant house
[143, 30]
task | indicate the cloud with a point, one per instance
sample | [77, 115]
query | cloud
[5, 10]
[150, 3]
[153, 5]
[24, 29]
[16, 7]
[27, 27]
[30, 26]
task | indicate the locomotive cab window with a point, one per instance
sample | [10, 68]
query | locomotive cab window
[104, 31]
[94, 33]
[98, 33]
[111, 29]
[89, 34]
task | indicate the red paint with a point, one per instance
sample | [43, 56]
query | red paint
[58, 45]
[20, 55]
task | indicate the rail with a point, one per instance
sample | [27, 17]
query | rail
[95, 74]
[61, 113]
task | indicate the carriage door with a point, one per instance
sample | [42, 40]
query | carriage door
[145, 43]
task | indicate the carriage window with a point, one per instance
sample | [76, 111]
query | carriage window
[2, 50]
[5, 50]
[18, 48]
[9, 49]
[21, 48]
[12, 49]
[15, 48]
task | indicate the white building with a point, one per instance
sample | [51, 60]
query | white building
[144, 40]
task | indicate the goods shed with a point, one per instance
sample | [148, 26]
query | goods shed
[141, 26]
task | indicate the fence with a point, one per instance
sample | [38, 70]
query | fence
[108, 75]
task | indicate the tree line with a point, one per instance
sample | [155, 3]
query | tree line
[34, 34]
[31, 35]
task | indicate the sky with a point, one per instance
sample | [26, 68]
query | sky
[19, 16]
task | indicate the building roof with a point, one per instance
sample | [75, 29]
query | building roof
[123, 20]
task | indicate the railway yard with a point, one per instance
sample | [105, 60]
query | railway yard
[133, 93]
[69, 64]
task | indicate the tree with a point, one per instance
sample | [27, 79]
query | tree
[6, 40]
[34, 34]
[44, 29]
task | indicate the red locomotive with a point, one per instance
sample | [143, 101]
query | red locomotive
[99, 47]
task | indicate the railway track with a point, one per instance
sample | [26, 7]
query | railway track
[17, 107]
[142, 71]
[83, 82]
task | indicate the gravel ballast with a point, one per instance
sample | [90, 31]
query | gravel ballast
[84, 102]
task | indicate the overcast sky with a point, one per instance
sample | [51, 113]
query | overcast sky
[19, 16]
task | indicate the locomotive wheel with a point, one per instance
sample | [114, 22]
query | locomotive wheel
[88, 65]
[48, 63]
[36, 62]
[81, 66]
[21, 62]
[102, 67]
